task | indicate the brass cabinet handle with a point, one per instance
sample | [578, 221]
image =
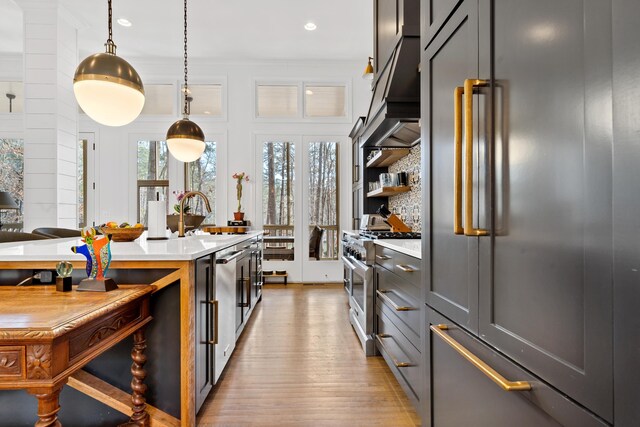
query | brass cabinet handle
[382, 294]
[457, 161]
[383, 257]
[215, 328]
[405, 268]
[469, 84]
[398, 364]
[504, 384]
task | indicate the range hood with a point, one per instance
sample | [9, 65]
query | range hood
[394, 111]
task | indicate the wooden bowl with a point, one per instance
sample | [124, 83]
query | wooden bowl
[122, 234]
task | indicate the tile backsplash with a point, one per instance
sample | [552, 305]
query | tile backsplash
[408, 205]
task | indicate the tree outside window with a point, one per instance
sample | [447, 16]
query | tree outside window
[12, 179]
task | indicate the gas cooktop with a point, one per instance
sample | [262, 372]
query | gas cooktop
[390, 235]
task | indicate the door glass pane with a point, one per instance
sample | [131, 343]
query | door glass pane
[152, 160]
[152, 175]
[12, 181]
[201, 176]
[323, 200]
[13, 99]
[278, 179]
[82, 182]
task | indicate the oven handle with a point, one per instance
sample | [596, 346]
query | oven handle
[348, 263]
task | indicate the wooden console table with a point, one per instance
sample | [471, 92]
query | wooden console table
[46, 336]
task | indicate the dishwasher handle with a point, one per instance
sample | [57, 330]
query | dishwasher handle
[227, 259]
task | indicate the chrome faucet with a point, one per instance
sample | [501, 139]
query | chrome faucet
[189, 195]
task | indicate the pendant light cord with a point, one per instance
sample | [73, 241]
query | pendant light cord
[110, 45]
[186, 86]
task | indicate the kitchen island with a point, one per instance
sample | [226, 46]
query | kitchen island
[170, 266]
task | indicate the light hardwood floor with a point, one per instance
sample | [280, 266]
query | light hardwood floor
[299, 363]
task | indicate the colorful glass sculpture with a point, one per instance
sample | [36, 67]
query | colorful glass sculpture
[97, 251]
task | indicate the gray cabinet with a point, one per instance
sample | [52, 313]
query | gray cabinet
[528, 269]
[398, 318]
[464, 395]
[392, 20]
[205, 329]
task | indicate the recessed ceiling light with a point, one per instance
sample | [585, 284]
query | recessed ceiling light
[310, 26]
[308, 92]
[124, 22]
[207, 112]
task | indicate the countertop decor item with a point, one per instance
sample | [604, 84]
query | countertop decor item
[98, 254]
[185, 139]
[238, 215]
[63, 281]
[107, 87]
[122, 234]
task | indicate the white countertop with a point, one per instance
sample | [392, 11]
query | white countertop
[411, 247]
[175, 249]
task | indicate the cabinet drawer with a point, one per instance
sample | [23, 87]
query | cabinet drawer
[405, 266]
[402, 289]
[12, 363]
[401, 356]
[461, 394]
[407, 322]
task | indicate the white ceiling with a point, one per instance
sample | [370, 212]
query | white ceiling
[218, 29]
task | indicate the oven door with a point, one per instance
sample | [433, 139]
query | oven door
[347, 269]
[361, 303]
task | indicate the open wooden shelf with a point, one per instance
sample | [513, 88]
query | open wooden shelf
[388, 191]
[388, 157]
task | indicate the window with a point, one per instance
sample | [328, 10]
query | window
[152, 175]
[278, 179]
[323, 198]
[12, 98]
[12, 180]
[206, 100]
[277, 101]
[159, 99]
[325, 101]
[318, 100]
[82, 182]
[201, 176]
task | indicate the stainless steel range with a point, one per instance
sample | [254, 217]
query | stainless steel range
[358, 259]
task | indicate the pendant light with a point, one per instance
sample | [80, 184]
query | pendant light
[185, 139]
[107, 87]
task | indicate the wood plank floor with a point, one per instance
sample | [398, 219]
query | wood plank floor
[299, 363]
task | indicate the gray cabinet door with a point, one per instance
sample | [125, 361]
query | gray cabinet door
[451, 261]
[546, 267]
[205, 351]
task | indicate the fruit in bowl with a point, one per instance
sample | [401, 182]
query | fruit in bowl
[124, 232]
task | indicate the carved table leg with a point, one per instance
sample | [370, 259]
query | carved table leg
[140, 417]
[48, 406]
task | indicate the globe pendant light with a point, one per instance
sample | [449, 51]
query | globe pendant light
[107, 87]
[185, 139]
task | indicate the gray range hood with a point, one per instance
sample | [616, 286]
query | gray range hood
[394, 112]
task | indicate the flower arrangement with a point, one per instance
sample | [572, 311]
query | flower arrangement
[179, 196]
[239, 177]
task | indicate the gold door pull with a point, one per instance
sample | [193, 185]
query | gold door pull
[215, 327]
[382, 295]
[457, 161]
[504, 384]
[405, 268]
[469, 84]
[397, 363]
